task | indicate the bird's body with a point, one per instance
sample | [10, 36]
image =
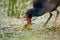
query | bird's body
[43, 3]
[40, 11]
[40, 7]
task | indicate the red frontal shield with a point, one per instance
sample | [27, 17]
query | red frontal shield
[28, 19]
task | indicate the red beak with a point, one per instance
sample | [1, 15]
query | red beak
[28, 19]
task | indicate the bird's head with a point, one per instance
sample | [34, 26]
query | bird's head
[28, 16]
[31, 13]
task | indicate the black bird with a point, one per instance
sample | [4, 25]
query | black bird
[40, 7]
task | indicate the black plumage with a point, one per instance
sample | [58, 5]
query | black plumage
[40, 7]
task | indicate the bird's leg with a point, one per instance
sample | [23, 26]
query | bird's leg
[48, 19]
[57, 15]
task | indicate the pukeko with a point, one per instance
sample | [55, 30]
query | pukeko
[40, 7]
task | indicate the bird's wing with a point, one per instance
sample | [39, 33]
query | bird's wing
[38, 3]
